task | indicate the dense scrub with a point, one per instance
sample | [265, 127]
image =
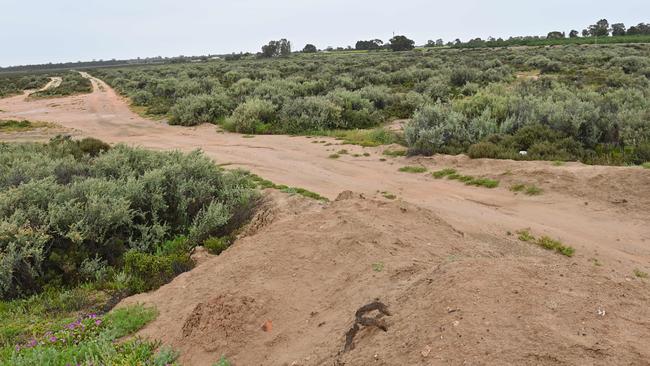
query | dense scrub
[72, 83]
[568, 102]
[16, 83]
[75, 212]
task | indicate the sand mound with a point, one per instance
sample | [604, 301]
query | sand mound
[288, 293]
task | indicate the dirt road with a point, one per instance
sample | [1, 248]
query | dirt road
[601, 211]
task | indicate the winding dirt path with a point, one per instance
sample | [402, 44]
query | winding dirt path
[602, 211]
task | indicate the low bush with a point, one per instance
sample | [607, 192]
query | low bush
[413, 169]
[67, 203]
[216, 245]
[195, 109]
[253, 116]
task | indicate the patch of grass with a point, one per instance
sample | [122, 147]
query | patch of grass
[533, 190]
[640, 274]
[596, 262]
[20, 126]
[469, 180]
[646, 165]
[362, 137]
[85, 339]
[388, 195]
[264, 184]
[518, 187]
[412, 169]
[525, 235]
[382, 159]
[378, 266]
[248, 136]
[395, 153]
[334, 156]
[366, 154]
[342, 152]
[530, 190]
[546, 243]
[483, 182]
[443, 173]
[223, 361]
[558, 163]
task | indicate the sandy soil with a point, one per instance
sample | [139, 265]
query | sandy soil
[518, 304]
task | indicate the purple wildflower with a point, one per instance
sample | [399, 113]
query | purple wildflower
[17, 348]
[53, 339]
[98, 322]
[32, 343]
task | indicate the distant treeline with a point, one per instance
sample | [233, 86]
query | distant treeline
[601, 32]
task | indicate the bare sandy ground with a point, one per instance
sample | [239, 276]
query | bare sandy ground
[601, 211]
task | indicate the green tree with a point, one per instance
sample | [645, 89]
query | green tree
[618, 29]
[600, 29]
[373, 44]
[573, 34]
[555, 35]
[309, 48]
[277, 48]
[401, 43]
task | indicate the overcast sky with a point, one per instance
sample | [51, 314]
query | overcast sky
[40, 31]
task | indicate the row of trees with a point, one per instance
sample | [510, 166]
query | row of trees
[283, 47]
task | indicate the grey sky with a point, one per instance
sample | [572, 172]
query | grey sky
[41, 31]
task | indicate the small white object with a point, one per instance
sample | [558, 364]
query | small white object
[600, 312]
[523, 153]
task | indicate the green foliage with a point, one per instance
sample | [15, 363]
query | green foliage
[150, 271]
[72, 83]
[19, 126]
[195, 109]
[530, 190]
[216, 245]
[394, 153]
[443, 173]
[91, 339]
[413, 169]
[70, 210]
[253, 116]
[640, 274]
[588, 104]
[646, 165]
[546, 243]
[16, 83]
[223, 362]
[469, 180]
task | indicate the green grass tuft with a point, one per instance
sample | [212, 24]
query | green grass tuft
[443, 173]
[412, 169]
[395, 153]
[546, 243]
[646, 165]
[640, 274]
[334, 156]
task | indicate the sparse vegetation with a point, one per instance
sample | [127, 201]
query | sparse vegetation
[530, 190]
[20, 126]
[263, 183]
[412, 169]
[546, 243]
[334, 156]
[394, 153]
[469, 180]
[72, 83]
[640, 274]
[646, 165]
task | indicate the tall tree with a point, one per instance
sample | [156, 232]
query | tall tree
[618, 29]
[309, 48]
[555, 35]
[600, 29]
[373, 44]
[277, 48]
[573, 34]
[401, 43]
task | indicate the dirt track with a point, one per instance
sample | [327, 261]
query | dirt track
[601, 211]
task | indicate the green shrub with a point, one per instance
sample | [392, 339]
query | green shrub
[311, 113]
[253, 116]
[69, 210]
[216, 245]
[195, 109]
[443, 173]
[413, 169]
[150, 271]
